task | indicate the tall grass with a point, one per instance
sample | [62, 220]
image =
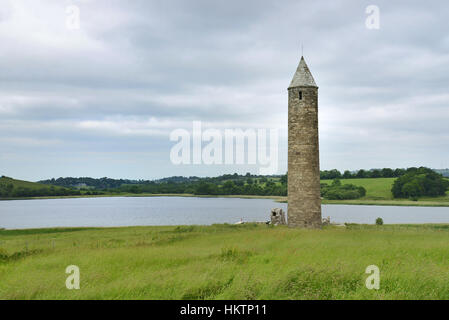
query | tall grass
[227, 262]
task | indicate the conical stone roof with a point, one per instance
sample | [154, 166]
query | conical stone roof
[302, 77]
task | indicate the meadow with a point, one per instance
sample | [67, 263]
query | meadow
[376, 188]
[378, 192]
[247, 261]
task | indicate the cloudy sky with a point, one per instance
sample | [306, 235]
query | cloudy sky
[102, 100]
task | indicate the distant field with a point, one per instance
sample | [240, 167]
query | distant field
[24, 184]
[378, 192]
[25, 189]
[376, 188]
[226, 262]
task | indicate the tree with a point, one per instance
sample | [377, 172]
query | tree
[398, 172]
[330, 174]
[229, 187]
[412, 189]
[347, 175]
[284, 179]
[270, 184]
[336, 183]
[338, 191]
[205, 188]
[375, 173]
[240, 183]
[361, 174]
[387, 173]
[419, 182]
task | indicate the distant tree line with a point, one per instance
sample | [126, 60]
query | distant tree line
[410, 183]
[102, 183]
[248, 186]
[109, 183]
[373, 173]
[257, 187]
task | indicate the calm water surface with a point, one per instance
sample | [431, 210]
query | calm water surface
[128, 211]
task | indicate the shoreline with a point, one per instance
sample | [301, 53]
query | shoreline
[279, 199]
[56, 229]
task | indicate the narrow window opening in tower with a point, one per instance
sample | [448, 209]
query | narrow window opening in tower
[300, 95]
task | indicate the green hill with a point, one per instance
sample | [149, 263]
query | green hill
[12, 188]
[20, 183]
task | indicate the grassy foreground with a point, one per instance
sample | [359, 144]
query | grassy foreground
[226, 262]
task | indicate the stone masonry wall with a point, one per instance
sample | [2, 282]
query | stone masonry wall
[304, 199]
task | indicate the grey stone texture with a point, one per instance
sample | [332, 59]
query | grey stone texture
[277, 216]
[326, 221]
[302, 77]
[304, 198]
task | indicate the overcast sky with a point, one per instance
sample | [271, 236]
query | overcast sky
[102, 100]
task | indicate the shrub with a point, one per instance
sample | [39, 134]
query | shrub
[379, 221]
[338, 191]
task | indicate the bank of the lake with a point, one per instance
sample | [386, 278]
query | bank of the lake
[378, 192]
[226, 262]
[443, 202]
[424, 202]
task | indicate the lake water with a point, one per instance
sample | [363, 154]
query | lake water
[145, 211]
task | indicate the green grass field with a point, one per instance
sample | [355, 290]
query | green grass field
[33, 189]
[378, 192]
[226, 262]
[376, 188]
[20, 183]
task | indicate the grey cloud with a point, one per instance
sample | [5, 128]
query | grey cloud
[226, 64]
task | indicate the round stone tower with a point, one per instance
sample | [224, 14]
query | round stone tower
[304, 199]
